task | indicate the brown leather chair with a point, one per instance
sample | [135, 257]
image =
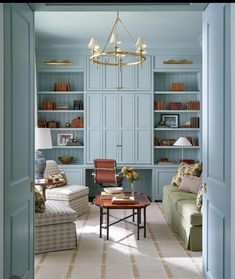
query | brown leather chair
[105, 173]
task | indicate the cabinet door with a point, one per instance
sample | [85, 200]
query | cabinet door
[143, 143]
[126, 77]
[110, 126]
[74, 174]
[162, 178]
[94, 76]
[143, 75]
[110, 78]
[126, 128]
[94, 127]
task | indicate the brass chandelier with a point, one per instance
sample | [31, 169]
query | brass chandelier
[112, 54]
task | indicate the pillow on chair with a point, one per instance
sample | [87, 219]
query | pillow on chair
[59, 180]
[186, 169]
[190, 184]
[39, 202]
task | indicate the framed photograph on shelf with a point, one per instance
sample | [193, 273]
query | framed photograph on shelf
[62, 139]
[171, 120]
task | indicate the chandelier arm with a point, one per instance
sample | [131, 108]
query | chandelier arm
[127, 31]
[115, 23]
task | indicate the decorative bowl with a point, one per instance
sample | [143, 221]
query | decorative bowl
[65, 159]
[113, 190]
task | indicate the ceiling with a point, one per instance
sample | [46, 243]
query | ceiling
[157, 27]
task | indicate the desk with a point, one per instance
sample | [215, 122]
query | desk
[141, 201]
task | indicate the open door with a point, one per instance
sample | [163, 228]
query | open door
[19, 140]
[216, 142]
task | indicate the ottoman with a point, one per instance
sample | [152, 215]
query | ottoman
[75, 196]
[55, 228]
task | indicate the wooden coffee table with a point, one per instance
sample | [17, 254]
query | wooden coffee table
[141, 202]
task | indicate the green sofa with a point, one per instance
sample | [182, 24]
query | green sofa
[183, 215]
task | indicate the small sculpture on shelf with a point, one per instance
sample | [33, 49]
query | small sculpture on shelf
[67, 125]
[162, 124]
[186, 124]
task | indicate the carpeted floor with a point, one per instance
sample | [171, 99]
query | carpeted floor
[158, 256]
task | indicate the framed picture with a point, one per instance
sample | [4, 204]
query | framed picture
[171, 120]
[62, 139]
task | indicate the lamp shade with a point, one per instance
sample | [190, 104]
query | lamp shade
[43, 138]
[182, 141]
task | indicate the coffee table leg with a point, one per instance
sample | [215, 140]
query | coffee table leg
[133, 217]
[101, 220]
[144, 221]
[107, 223]
[138, 223]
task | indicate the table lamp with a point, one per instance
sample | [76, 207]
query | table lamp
[182, 142]
[42, 141]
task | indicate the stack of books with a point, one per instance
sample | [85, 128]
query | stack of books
[108, 196]
[164, 161]
[123, 200]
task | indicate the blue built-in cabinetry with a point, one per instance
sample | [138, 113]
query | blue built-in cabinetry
[50, 104]
[128, 78]
[121, 115]
[119, 127]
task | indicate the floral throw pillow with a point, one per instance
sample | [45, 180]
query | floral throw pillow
[58, 180]
[186, 169]
[39, 202]
[199, 198]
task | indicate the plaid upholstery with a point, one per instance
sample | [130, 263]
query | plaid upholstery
[67, 192]
[51, 168]
[55, 237]
[55, 213]
[76, 196]
[55, 228]
[80, 204]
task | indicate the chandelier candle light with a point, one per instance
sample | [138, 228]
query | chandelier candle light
[112, 54]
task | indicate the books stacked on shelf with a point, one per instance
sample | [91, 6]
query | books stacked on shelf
[195, 122]
[123, 199]
[165, 161]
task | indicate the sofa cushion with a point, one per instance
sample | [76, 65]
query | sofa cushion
[170, 188]
[175, 197]
[56, 213]
[67, 192]
[187, 209]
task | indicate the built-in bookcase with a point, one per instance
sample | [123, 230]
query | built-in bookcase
[46, 93]
[167, 93]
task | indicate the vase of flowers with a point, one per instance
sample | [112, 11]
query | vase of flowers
[131, 175]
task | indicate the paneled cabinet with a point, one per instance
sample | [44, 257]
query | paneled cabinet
[112, 78]
[162, 176]
[119, 125]
[74, 174]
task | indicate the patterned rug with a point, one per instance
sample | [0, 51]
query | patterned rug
[158, 256]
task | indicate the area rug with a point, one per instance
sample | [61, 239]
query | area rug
[158, 256]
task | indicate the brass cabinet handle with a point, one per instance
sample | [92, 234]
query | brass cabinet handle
[119, 145]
